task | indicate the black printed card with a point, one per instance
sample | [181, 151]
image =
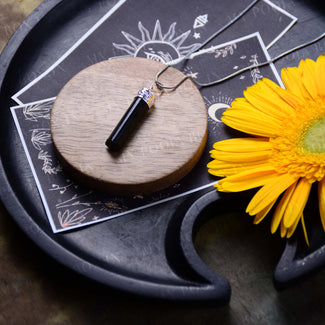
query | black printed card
[160, 30]
[69, 205]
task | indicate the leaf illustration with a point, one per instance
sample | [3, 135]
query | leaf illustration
[68, 219]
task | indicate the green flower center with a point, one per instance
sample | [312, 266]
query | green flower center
[314, 138]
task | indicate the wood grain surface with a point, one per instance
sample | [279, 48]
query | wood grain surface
[162, 150]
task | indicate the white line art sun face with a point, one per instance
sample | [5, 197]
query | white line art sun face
[158, 46]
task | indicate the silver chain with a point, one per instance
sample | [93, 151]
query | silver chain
[162, 87]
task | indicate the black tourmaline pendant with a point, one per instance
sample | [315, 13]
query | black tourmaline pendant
[130, 119]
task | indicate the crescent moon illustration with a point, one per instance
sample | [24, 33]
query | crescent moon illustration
[213, 109]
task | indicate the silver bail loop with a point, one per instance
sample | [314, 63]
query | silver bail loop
[161, 86]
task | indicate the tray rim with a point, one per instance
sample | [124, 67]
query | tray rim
[47, 242]
[205, 291]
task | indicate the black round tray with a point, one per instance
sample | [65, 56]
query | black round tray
[150, 252]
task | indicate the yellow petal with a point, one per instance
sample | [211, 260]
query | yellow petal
[243, 144]
[283, 230]
[308, 68]
[247, 179]
[222, 168]
[221, 164]
[221, 173]
[251, 122]
[297, 203]
[262, 214]
[267, 100]
[254, 114]
[281, 207]
[304, 229]
[321, 201]
[244, 106]
[241, 103]
[320, 76]
[217, 164]
[292, 80]
[269, 192]
[289, 98]
[242, 156]
[292, 229]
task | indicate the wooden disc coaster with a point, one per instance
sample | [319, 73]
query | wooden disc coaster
[162, 150]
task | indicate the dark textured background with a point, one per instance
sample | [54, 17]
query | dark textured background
[34, 289]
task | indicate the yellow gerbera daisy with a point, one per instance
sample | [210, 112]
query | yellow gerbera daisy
[286, 154]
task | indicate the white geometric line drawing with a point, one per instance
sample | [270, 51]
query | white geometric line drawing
[255, 73]
[159, 47]
[230, 49]
[37, 111]
[77, 200]
[193, 75]
[188, 71]
[214, 108]
[47, 163]
[200, 21]
[216, 105]
[159, 57]
[41, 137]
[74, 201]
[63, 189]
[68, 219]
[115, 206]
[197, 35]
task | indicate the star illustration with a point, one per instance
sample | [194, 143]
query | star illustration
[197, 35]
[192, 75]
